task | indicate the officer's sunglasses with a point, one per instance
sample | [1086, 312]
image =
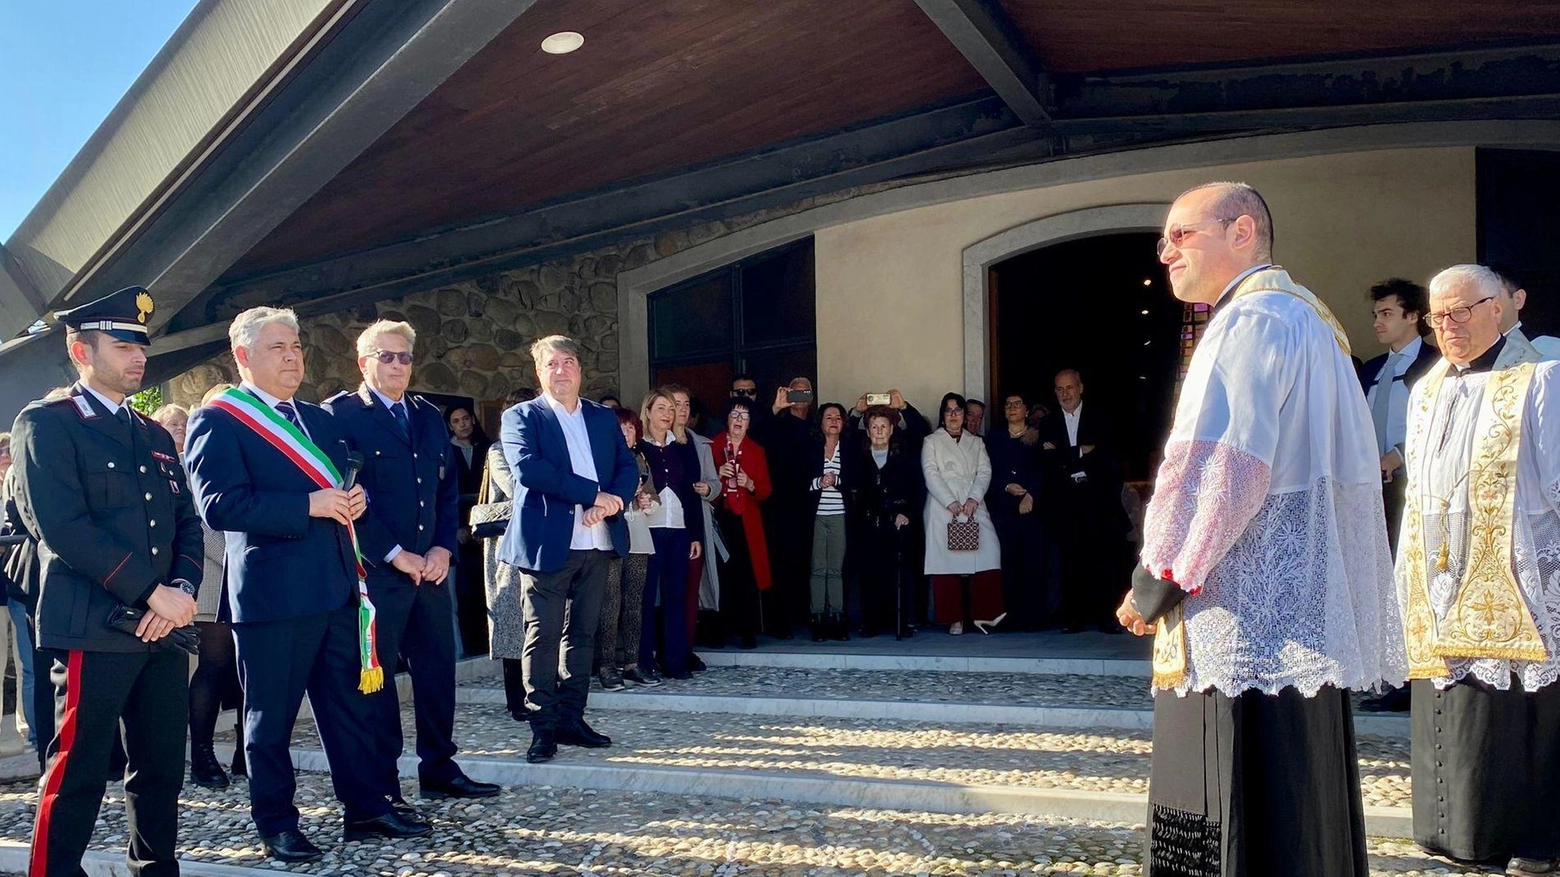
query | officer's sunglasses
[389, 356]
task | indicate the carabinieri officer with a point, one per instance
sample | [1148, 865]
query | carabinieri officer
[101, 488]
[408, 538]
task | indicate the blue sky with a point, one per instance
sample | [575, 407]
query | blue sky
[63, 66]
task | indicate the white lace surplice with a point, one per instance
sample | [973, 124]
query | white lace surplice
[1536, 540]
[1267, 510]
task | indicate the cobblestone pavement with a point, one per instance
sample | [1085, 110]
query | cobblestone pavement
[554, 831]
[1094, 759]
[1009, 689]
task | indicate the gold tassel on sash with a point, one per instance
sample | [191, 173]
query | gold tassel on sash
[1170, 650]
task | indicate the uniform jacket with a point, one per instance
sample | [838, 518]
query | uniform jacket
[281, 563]
[112, 516]
[413, 497]
[546, 488]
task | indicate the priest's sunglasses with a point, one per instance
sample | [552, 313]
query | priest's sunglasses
[1178, 232]
[389, 356]
[1458, 315]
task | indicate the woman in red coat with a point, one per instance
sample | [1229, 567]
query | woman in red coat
[744, 472]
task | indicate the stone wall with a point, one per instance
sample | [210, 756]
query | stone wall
[473, 338]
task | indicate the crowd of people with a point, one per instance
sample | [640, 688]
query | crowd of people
[289, 548]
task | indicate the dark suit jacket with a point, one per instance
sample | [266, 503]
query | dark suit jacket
[1428, 354]
[1098, 500]
[413, 498]
[113, 519]
[280, 562]
[546, 488]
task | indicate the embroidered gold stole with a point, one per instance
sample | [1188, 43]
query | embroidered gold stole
[1170, 645]
[1489, 617]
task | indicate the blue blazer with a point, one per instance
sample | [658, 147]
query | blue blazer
[280, 563]
[546, 488]
[413, 500]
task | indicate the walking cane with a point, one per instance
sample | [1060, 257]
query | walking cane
[899, 588]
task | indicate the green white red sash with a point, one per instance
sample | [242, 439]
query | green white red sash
[304, 454]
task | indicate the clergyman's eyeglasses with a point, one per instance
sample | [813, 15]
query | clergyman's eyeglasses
[1458, 315]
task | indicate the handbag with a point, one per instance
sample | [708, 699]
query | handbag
[489, 520]
[963, 535]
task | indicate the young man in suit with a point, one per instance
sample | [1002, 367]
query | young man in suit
[408, 539]
[1399, 308]
[573, 474]
[1078, 457]
[267, 469]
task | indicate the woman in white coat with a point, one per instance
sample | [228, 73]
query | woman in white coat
[957, 474]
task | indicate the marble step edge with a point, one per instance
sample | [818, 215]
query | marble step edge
[1115, 718]
[831, 660]
[873, 794]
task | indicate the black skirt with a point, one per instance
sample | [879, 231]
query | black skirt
[1255, 785]
[1486, 770]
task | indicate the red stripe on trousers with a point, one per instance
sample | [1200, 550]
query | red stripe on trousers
[52, 780]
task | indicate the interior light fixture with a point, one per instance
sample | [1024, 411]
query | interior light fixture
[1145, 313]
[1148, 281]
[563, 43]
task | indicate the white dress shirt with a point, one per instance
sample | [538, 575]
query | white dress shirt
[1071, 418]
[584, 465]
[1397, 413]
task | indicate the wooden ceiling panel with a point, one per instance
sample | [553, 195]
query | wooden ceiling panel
[1081, 36]
[659, 85]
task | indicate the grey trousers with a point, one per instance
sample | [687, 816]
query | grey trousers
[828, 565]
[561, 609]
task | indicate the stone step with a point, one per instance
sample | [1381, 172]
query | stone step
[929, 765]
[1054, 701]
[933, 650]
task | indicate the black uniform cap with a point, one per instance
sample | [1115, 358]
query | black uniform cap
[120, 314]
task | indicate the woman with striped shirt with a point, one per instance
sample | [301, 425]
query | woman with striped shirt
[831, 489]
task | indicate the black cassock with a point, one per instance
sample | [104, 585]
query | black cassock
[1486, 769]
[1255, 785]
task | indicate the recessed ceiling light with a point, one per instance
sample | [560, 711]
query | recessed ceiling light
[1148, 281]
[563, 43]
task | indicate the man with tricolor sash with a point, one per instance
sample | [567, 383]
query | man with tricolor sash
[273, 473]
[1265, 575]
[1479, 579]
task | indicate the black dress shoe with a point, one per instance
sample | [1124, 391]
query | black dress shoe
[581, 734]
[696, 663]
[460, 787]
[544, 745]
[392, 825]
[748, 642]
[290, 846]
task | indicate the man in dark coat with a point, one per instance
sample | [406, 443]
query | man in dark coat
[100, 488]
[408, 539]
[1091, 523]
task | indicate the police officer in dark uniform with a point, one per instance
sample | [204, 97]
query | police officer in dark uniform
[408, 539]
[100, 487]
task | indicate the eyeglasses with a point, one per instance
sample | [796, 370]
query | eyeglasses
[389, 356]
[1178, 232]
[1458, 315]
[741, 415]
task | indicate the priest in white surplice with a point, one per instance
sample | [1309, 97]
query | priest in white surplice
[1479, 580]
[1265, 572]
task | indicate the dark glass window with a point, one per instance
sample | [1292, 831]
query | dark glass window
[758, 315]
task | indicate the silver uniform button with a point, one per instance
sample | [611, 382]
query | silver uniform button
[110, 464]
[151, 523]
[154, 550]
[143, 470]
[419, 526]
[148, 497]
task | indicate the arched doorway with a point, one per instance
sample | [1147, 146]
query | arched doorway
[1101, 305]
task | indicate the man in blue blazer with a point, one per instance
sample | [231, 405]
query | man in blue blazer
[290, 583]
[573, 474]
[408, 538]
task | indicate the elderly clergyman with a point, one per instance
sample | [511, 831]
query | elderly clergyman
[1265, 573]
[1479, 579]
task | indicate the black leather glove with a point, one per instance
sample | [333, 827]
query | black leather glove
[127, 619]
[1152, 596]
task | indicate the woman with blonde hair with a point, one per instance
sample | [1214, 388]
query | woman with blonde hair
[676, 530]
